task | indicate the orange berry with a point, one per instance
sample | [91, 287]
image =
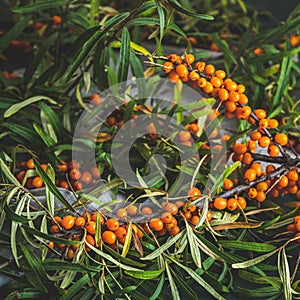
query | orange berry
[156, 224]
[283, 182]
[68, 222]
[234, 96]
[63, 167]
[209, 69]
[166, 217]
[109, 237]
[242, 203]
[230, 106]
[262, 186]
[200, 66]
[184, 136]
[264, 141]
[54, 229]
[240, 88]
[146, 210]
[91, 227]
[188, 206]
[273, 123]
[270, 169]
[255, 136]
[220, 74]
[292, 175]
[112, 224]
[172, 57]
[182, 70]
[273, 150]
[175, 230]
[223, 94]
[70, 253]
[56, 20]
[37, 182]
[75, 174]
[132, 210]
[195, 220]
[247, 158]
[201, 82]
[74, 164]
[194, 75]
[120, 233]
[194, 193]
[281, 139]
[227, 184]
[250, 175]
[232, 204]
[260, 113]
[274, 193]
[90, 239]
[291, 227]
[30, 163]
[194, 128]
[95, 172]
[263, 123]
[79, 221]
[95, 216]
[220, 203]
[171, 208]
[216, 82]
[252, 193]
[121, 213]
[239, 148]
[188, 215]
[261, 196]
[258, 168]
[208, 216]
[208, 88]
[96, 99]
[173, 76]
[230, 85]
[86, 177]
[167, 67]
[189, 59]
[64, 184]
[243, 99]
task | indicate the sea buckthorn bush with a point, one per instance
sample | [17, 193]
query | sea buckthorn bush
[74, 228]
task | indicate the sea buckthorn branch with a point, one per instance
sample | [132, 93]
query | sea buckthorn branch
[234, 103]
[271, 176]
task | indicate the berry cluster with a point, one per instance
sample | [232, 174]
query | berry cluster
[70, 175]
[295, 227]
[258, 181]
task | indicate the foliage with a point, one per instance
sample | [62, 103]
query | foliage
[78, 48]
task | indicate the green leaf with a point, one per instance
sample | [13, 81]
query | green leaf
[230, 169]
[158, 287]
[282, 83]
[94, 40]
[36, 7]
[47, 139]
[13, 33]
[144, 274]
[16, 107]
[164, 247]
[199, 280]
[138, 72]
[284, 272]
[247, 246]
[51, 186]
[94, 12]
[254, 261]
[195, 252]
[177, 6]
[153, 21]
[162, 19]
[49, 237]
[127, 240]
[36, 266]
[124, 56]
[174, 289]
[36, 61]
[7, 173]
[112, 260]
